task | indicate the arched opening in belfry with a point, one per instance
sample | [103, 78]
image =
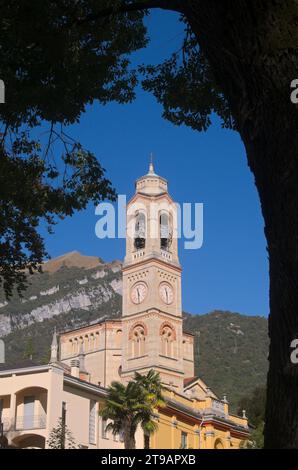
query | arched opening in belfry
[140, 231]
[165, 231]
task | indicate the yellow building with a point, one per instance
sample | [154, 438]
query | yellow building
[149, 335]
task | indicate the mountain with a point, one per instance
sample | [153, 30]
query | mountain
[74, 290]
[73, 285]
[72, 259]
[230, 352]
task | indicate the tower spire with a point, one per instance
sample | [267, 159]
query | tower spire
[54, 348]
[151, 166]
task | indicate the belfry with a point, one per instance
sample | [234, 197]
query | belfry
[148, 335]
[151, 312]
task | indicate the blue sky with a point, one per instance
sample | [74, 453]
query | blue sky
[230, 271]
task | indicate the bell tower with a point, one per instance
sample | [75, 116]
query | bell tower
[151, 311]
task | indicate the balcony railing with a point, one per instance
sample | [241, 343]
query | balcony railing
[217, 407]
[30, 422]
[139, 254]
[6, 424]
[165, 254]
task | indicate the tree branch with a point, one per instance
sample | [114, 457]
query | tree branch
[173, 5]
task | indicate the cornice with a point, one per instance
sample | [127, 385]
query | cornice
[136, 263]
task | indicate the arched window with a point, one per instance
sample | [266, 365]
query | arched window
[218, 444]
[167, 340]
[118, 341]
[75, 346]
[97, 340]
[92, 342]
[137, 340]
[165, 231]
[184, 348]
[140, 231]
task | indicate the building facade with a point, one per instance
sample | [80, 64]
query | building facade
[149, 335]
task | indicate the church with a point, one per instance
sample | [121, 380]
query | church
[149, 335]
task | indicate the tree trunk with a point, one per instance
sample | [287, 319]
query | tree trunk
[132, 440]
[129, 435]
[252, 48]
[278, 191]
[129, 441]
[146, 441]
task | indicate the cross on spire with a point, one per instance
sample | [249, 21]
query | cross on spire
[54, 348]
[151, 166]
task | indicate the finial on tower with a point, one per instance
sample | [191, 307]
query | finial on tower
[151, 167]
[54, 348]
[82, 358]
[151, 183]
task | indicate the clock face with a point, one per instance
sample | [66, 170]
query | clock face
[139, 292]
[166, 292]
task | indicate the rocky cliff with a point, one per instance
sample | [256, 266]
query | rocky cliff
[74, 290]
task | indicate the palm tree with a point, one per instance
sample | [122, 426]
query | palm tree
[149, 427]
[126, 406]
[152, 388]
